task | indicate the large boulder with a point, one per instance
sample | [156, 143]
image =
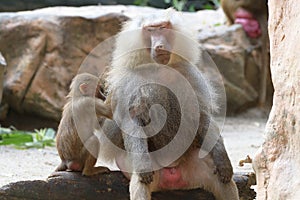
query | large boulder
[229, 49]
[277, 164]
[2, 70]
[45, 48]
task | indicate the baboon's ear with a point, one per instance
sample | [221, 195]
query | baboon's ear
[83, 87]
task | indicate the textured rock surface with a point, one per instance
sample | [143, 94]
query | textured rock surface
[2, 70]
[18, 5]
[112, 185]
[277, 164]
[233, 54]
[44, 49]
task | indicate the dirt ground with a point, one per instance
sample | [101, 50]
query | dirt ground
[242, 136]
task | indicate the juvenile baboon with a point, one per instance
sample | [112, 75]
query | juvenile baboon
[154, 57]
[78, 122]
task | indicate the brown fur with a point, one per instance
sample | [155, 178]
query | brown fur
[75, 131]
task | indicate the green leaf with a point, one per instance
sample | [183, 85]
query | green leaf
[208, 7]
[29, 145]
[5, 130]
[192, 8]
[140, 2]
[217, 24]
[216, 3]
[180, 5]
[24, 140]
[50, 133]
[15, 138]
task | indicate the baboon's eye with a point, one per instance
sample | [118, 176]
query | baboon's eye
[149, 29]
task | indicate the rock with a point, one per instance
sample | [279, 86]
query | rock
[44, 50]
[3, 112]
[112, 185]
[277, 163]
[231, 51]
[2, 70]
[18, 5]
